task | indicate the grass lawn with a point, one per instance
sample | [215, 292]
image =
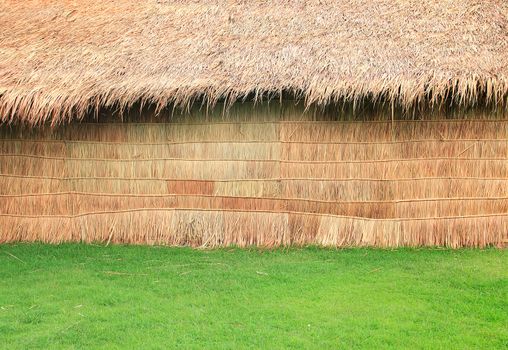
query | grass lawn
[84, 296]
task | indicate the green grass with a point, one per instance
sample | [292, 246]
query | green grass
[84, 296]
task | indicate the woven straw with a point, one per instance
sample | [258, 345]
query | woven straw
[256, 180]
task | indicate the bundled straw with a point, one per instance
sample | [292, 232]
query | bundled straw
[258, 182]
[63, 59]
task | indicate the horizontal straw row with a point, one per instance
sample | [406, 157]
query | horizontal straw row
[220, 169]
[318, 189]
[78, 203]
[220, 228]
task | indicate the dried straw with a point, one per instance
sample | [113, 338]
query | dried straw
[256, 181]
[62, 59]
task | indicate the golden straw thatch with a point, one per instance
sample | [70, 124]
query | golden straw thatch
[255, 180]
[62, 59]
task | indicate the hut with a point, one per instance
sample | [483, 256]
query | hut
[214, 123]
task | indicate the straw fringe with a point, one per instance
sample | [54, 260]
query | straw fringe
[213, 229]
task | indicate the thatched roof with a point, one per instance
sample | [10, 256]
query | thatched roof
[60, 59]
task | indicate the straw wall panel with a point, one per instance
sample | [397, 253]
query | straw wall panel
[264, 176]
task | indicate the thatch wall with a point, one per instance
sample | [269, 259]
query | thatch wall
[269, 175]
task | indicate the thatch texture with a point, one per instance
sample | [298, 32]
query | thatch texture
[62, 59]
[266, 176]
